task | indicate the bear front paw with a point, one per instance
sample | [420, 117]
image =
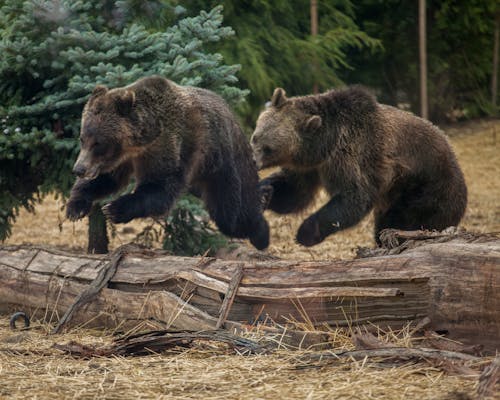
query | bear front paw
[117, 212]
[309, 233]
[77, 208]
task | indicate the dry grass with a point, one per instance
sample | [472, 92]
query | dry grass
[31, 368]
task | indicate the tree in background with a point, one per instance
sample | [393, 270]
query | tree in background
[274, 45]
[459, 55]
[422, 55]
[53, 53]
[371, 42]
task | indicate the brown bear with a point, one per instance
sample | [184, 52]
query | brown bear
[366, 155]
[171, 139]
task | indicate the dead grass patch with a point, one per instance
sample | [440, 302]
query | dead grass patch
[31, 368]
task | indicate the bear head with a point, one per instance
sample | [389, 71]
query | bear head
[282, 132]
[107, 132]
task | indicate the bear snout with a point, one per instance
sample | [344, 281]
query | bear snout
[257, 158]
[79, 170]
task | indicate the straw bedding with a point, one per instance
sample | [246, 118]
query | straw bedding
[30, 367]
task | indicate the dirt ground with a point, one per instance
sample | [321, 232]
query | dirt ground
[31, 368]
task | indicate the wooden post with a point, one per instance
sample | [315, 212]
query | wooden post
[314, 17]
[314, 32]
[424, 107]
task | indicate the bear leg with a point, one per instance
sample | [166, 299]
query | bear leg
[147, 200]
[236, 211]
[428, 207]
[259, 233]
[222, 196]
[85, 191]
[341, 212]
[289, 191]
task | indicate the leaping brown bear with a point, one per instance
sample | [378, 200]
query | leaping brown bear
[366, 155]
[171, 139]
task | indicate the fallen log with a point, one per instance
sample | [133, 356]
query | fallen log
[452, 278]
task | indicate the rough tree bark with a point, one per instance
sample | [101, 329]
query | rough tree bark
[453, 279]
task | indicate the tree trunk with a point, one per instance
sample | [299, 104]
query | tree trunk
[424, 105]
[453, 279]
[98, 235]
[314, 32]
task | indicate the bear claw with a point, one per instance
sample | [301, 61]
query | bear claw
[105, 210]
[77, 209]
[114, 214]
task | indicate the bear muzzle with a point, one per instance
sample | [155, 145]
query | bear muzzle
[85, 173]
[79, 170]
[257, 158]
[83, 167]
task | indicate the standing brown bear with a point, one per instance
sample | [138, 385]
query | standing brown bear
[171, 139]
[366, 155]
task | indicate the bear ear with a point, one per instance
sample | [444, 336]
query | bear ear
[313, 123]
[279, 97]
[99, 90]
[125, 101]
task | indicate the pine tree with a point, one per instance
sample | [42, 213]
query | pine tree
[53, 53]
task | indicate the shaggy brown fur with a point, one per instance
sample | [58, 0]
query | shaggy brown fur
[170, 138]
[366, 155]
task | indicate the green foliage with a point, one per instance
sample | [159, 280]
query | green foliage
[28, 168]
[459, 52]
[371, 42]
[460, 61]
[275, 48]
[52, 54]
[188, 231]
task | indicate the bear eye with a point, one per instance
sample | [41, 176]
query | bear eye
[99, 148]
[267, 150]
